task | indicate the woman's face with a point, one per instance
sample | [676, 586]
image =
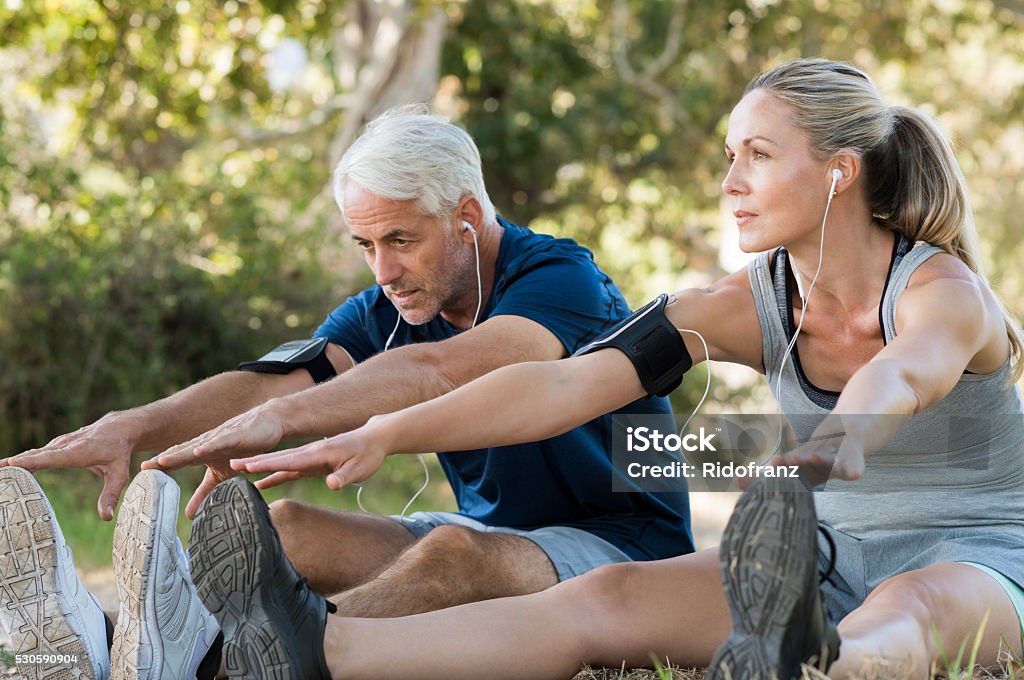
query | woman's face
[777, 189]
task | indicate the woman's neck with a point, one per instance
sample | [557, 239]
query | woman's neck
[854, 264]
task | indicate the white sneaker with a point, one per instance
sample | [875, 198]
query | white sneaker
[163, 631]
[57, 627]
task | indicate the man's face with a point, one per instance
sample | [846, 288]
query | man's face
[421, 262]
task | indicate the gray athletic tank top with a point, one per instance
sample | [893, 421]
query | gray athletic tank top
[958, 464]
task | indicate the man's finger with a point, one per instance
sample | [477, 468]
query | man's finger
[177, 457]
[113, 485]
[204, 489]
[44, 459]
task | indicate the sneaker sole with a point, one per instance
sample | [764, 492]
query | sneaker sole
[38, 618]
[135, 535]
[764, 568]
[227, 558]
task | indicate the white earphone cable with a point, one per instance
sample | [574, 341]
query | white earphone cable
[420, 456]
[804, 303]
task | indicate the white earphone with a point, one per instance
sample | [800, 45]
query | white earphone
[476, 317]
[837, 175]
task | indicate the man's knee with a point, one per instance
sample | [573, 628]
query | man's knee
[448, 546]
[288, 516]
[484, 564]
[292, 521]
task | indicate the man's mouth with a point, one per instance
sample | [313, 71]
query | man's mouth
[403, 295]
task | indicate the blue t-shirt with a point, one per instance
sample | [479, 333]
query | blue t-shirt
[565, 480]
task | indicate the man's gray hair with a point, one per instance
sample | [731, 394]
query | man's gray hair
[407, 153]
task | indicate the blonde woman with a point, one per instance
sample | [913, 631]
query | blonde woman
[869, 315]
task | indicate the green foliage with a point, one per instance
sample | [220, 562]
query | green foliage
[161, 206]
[142, 241]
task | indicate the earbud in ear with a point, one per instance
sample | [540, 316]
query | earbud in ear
[467, 225]
[837, 175]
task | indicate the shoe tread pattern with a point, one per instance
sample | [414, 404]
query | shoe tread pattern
[134, 537]
[765, 564]
[228, 562]
[30, 607]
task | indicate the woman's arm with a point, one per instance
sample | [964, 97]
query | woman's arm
[519, 403]
[944, 324]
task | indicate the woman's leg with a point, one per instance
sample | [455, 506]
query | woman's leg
[895, 631]
[625, 612]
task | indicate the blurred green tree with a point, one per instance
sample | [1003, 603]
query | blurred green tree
[164, 208]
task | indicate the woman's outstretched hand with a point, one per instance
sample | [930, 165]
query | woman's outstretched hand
[347, 458]
[831, 453]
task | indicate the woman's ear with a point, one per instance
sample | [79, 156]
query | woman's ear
[845, 170]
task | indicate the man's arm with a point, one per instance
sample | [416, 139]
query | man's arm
[106, 446]
[384, 383]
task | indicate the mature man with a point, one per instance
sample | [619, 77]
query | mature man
[459, 292]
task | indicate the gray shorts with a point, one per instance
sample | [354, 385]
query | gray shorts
[571, 551]
[861, 565]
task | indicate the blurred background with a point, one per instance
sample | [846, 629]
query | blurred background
[164, 168]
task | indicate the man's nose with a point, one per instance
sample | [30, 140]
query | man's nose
[386, 268]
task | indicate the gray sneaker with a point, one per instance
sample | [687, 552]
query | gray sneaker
[273, 622]
[769, 558]
[57, 627]
[163, 631]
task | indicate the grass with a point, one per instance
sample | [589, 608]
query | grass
[1012, 667]
[1014, 672]
[73, 494]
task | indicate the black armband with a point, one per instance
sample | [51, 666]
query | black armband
[652, 343]
[308, 354]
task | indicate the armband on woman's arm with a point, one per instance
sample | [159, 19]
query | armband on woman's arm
[652, 343]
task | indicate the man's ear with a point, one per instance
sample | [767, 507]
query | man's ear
[471, 213]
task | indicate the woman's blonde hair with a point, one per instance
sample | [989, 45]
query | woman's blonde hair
[914, 182]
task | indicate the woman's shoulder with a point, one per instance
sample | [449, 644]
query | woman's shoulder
[941, 265]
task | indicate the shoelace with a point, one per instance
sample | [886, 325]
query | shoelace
[827, 575]
[303, 584]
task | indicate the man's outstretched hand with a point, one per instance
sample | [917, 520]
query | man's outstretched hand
[104, 447]
[249, 433]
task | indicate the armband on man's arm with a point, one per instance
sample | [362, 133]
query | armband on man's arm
[652, 343]
[308, 354]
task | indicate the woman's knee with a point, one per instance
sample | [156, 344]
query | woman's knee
[602, 595]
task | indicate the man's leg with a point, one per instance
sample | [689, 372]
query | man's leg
[380, 569]
[334, 549]
[897, 631]
[451, 565]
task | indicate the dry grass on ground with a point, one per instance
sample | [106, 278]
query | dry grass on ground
[588, 673]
